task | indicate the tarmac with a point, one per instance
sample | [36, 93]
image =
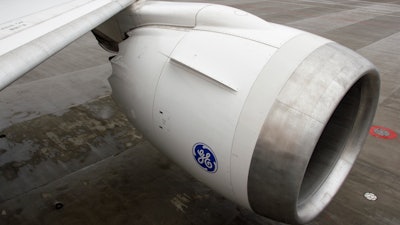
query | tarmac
[69, 156]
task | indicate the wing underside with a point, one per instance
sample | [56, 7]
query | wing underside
[28, 37]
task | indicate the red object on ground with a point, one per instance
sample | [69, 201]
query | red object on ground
[382, 132]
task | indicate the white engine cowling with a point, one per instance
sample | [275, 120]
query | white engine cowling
[271, 117]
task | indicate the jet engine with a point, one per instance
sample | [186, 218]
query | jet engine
[269, 116]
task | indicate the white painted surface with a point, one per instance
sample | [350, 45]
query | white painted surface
[23, 30]
[138, 67]
[200, 82]
[233, 62]
[162, 13]
[201, 109]
[227, 20]
[53, 36]
[20, 8]
[213, 83]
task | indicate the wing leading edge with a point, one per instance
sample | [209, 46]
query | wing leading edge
[27, 41]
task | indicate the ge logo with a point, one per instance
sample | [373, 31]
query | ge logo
[205, 157]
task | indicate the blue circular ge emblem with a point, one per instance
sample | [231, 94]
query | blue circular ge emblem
[205, 157]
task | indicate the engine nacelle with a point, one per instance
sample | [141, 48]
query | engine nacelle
[271, 117]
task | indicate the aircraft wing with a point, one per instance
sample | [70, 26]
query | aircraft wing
[32, 31]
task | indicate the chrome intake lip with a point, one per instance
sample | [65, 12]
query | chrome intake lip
[313, 134]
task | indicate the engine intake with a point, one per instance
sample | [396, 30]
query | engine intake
[312, 135]
[271, 117]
